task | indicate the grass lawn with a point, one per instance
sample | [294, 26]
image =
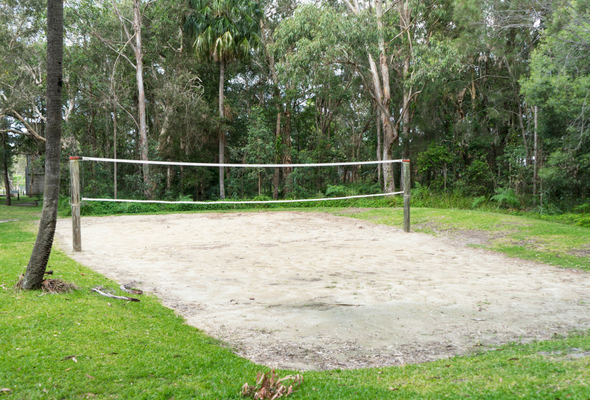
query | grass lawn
[82, 345]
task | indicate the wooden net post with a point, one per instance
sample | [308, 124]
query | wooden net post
[75, 202]
[407, 185]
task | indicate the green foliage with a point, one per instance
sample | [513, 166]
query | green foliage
[559, 83]
[223, 29]
[478, 178]
[433, 163]
[478, 201]
[506, 198]
[565, 175]
[336, 191]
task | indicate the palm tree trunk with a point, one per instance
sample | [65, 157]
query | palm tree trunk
[42, 249]
[221, 133]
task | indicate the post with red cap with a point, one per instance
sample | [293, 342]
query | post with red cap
[407, 185]
[75, 202]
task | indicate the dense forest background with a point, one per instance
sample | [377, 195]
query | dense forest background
[489, 99]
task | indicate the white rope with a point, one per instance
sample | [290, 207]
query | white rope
[240, 202]
[237, 165]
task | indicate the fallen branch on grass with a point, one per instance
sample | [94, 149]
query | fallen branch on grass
[112, 296]
[129, 289]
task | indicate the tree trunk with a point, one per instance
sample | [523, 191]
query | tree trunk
[6, 179]
[143, 141]
[221, 135]
[536, 163]
[33, 278]
[379, 154]
[382, 94]
[286, 142]
[389, 137]
[115, 149]
[275, 177]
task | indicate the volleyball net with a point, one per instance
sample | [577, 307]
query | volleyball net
[96, 179]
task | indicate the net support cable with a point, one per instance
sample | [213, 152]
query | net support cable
[76, 198]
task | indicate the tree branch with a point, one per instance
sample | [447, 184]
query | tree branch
[30, 129]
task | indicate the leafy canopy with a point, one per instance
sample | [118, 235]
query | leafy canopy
[224, 30]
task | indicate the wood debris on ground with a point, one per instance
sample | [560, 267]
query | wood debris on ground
[103, 291]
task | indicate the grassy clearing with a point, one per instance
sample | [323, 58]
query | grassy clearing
[18, 211]
[82, 345]
[516, 236]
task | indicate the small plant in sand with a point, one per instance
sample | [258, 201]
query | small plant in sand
[270, 386]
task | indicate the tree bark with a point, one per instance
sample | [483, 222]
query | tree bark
[221, 133]
[5, 164]
[382, 94]
[115, 149]
[379, 166]
[536, 163]
[275, 177]
[286, 156]
[143, 141]
[42, 249]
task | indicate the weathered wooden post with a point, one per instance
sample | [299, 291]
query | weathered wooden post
[75, 202]
[407, 185]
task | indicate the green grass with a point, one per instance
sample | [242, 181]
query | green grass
[18, 212]
[144, 351]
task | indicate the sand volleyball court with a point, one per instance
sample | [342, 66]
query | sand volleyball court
[315, 291]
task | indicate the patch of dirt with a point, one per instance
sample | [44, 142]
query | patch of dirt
[583, 252]
[7, 220]
[462, 236]
[528, 244]
[53, 286]
[56, 286]
[314, 291]
[571, 353]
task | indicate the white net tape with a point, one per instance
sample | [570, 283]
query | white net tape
[239, 166]
[189, 164]
[242, 201]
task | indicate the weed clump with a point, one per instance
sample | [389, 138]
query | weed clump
[270, 386]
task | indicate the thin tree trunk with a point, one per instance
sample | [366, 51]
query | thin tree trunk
[143, 141]
[221, 133]
[406, 116]
[6, 179]
[115, 147]
[275, 177]
[536, 163]
[286, 141]
[37, 265]
[379, 154]
[266, 38]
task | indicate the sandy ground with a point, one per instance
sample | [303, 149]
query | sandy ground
[315, 291]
